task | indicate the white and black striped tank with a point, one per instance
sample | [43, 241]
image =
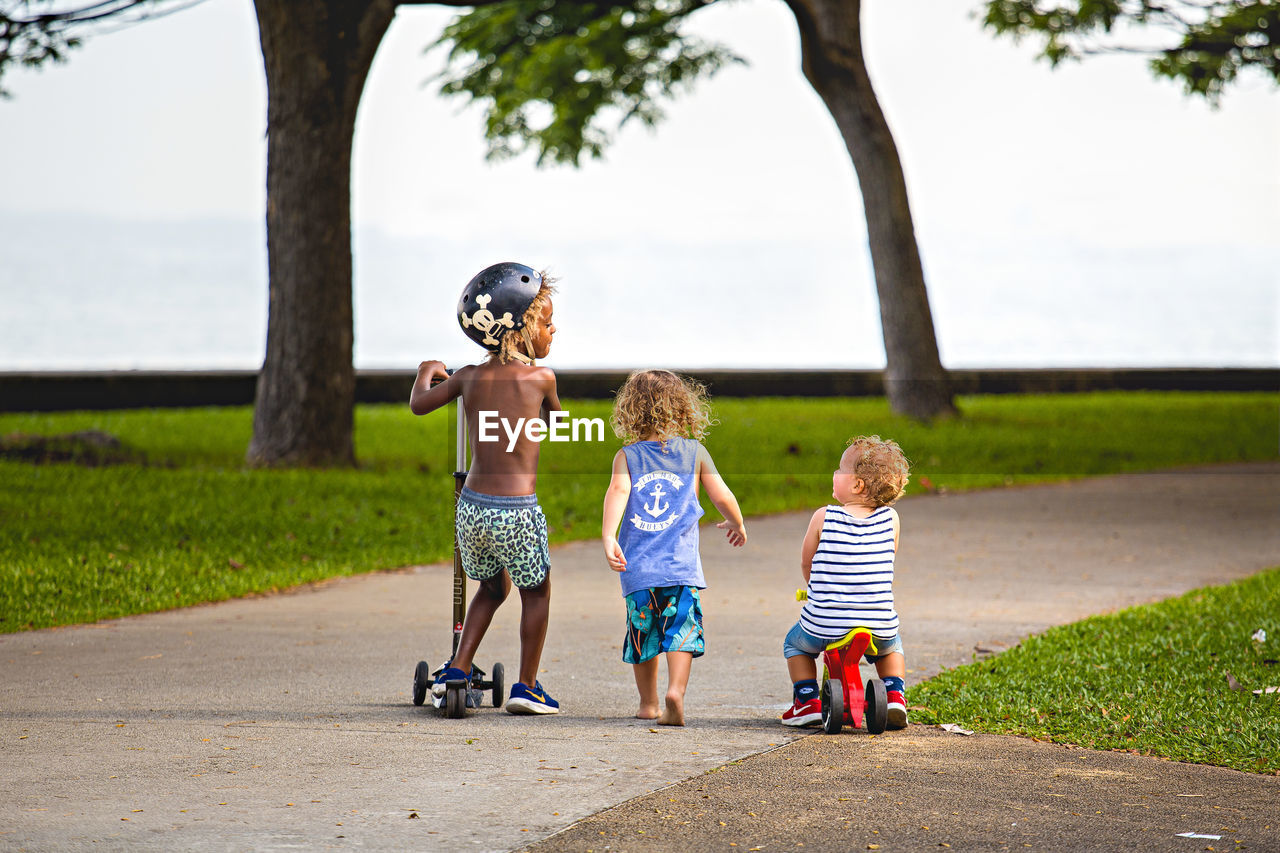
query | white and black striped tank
[851, 579]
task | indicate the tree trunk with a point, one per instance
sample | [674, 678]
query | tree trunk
[317, 55]
[831, 45]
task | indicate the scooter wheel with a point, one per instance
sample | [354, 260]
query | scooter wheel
[455, 700]
[421, 682]
[877, 710]
[832, 706]
[498, 681]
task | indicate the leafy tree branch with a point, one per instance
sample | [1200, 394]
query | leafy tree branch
[35, 32]
[1207, 43]
[548, 73]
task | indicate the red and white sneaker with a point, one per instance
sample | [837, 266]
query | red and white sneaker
[897, 718]
[803, 714]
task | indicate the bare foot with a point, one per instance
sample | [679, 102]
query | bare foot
[673, 713]
[647, 712]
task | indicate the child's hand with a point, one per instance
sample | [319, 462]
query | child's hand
[736, 533]
[431, 370]
[613, 553]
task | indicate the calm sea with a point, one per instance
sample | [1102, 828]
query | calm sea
[97, 294]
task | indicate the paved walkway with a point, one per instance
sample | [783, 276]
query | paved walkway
[285, 721]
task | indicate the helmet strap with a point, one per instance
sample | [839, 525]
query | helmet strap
[527, 355]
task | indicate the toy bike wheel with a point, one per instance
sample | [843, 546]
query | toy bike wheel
[498, 682]
[421, 682]
[877, 710]
[455, 699]
[832, 706]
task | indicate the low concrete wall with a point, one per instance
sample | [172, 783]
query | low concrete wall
[42, 391]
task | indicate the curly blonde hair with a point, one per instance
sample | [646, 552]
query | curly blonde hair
[661, 404]
[510, 341]
[883, 466]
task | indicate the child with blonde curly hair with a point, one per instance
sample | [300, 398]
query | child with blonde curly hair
[847, 562]
[653, 495]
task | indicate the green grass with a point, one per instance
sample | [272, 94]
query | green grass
[191, 524]
[1151, 679]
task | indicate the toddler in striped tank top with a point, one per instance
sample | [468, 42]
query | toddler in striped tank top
[847, 562]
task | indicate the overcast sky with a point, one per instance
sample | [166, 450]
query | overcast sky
[1004, 157]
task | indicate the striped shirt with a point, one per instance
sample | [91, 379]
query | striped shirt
[851, 578]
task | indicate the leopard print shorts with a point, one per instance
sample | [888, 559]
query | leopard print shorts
[499, 533]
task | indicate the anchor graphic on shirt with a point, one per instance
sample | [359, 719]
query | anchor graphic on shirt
[658, 507]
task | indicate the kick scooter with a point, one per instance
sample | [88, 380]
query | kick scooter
[455, 700]
[844, 698]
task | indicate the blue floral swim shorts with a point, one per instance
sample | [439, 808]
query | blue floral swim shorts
[499, 533]
[663, 619]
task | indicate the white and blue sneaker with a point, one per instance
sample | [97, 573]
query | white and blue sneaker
[447, 674]
[531, 700]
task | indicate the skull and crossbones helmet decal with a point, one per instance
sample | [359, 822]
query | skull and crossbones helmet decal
[495, 301]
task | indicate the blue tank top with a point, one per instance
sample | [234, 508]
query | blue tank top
[659, 535]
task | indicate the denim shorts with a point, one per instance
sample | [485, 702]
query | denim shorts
[800, 642]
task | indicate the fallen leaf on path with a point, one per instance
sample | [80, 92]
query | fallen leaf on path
[954, 729]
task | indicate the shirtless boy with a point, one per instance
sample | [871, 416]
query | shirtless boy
[501, 530]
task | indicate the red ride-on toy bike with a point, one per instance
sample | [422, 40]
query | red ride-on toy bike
[454, 702]
[844, 697]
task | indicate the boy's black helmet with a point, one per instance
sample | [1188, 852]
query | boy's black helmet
[495, 300]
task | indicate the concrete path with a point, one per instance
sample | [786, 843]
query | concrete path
[924, 789]
[285, 722]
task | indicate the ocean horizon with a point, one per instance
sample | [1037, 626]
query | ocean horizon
[93, 293]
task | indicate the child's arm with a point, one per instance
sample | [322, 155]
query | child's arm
[615, 503]
[722, 499]
[551, 399]
[810, 545]
[424, 398]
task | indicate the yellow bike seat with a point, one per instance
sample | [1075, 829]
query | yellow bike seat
[847, 639]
